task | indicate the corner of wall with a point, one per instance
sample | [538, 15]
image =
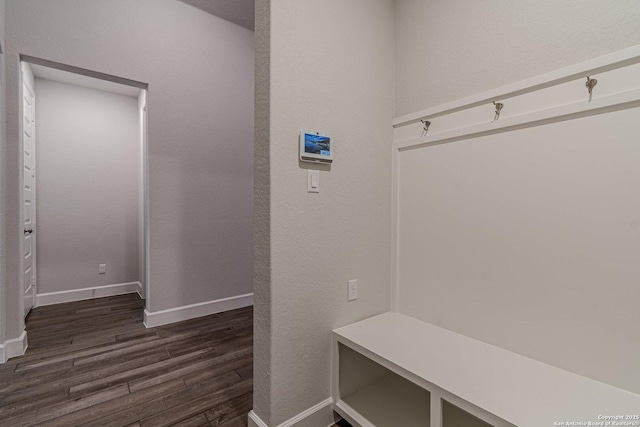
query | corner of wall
[262, 214]
[3, 139]
[10, 197]
[13, 348]
[340, 82]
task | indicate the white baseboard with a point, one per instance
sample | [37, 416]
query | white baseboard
[13, 347]
[255, 421]
[88, 293]
[186, 312]
[140, 290]
[320, 414]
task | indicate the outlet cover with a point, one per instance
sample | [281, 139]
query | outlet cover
[353, 290]
[102, 269]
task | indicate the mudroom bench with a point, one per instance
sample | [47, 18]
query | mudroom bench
[395, 370]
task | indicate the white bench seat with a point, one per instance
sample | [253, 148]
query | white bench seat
[469, 373]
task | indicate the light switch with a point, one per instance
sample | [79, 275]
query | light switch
[313, 181]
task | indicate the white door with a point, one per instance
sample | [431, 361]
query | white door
[29, 191]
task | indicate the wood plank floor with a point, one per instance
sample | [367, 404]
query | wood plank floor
[94, 363]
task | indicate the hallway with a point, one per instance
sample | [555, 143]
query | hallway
[94, 363]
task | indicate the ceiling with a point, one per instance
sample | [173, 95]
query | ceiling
[239, 12]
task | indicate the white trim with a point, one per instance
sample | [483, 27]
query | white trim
[140, 290]
[395, 231]
[186, 312]
[13, 347]
[630, 99]
[88, 293]
[255, 421]
[146, 221]
[612, 61]
[320, 414]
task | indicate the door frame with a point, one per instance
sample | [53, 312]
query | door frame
[144, 87]
[145, 200]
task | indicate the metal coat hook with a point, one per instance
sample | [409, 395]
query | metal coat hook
[590, 84]
[426, 124]
[499, 106]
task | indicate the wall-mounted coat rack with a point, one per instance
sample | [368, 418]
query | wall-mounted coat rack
[499, 106]
[426, 124]
[590, 84]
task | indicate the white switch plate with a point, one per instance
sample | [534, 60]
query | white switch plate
[353, 290]
[102, 269]
[313, 181]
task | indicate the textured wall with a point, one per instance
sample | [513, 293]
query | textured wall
[331, 69]
[3, 164]
[262, 220]
[200, 71]
[87, 187]
[447, 50]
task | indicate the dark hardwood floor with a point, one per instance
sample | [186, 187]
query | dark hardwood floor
[94, 363]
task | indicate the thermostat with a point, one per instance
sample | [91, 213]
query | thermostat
[315, 147]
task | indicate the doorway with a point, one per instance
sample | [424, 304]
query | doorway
[88, 211]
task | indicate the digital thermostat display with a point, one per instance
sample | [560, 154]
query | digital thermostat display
[315, 147]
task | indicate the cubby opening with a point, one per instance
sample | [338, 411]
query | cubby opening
[383, 398]
[452, 416]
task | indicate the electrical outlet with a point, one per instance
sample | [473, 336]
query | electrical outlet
[102, 269]
[353, 290]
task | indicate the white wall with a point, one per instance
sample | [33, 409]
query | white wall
[529, 240]
[526, 239]
[331, 69]
[88, 162]
[199, 69]
[447, 50]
